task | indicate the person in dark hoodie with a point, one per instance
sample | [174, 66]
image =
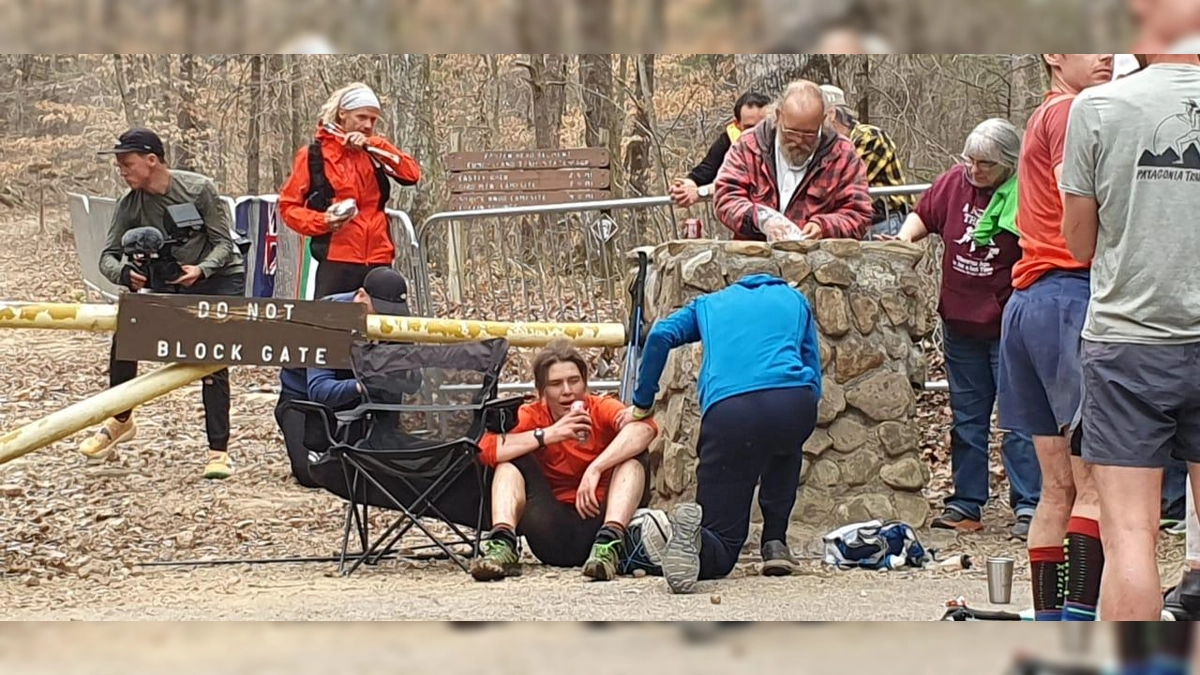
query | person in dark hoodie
[383, 291]
[759, 386]
[794, 163]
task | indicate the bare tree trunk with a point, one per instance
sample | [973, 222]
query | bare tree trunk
[595, 75]
[862, 89]
[495, 88]
[297, 103]
[123, 88]
[414, 129]
[547, 80]
[637, 158]
[185, 156]
[770, 73]
[281, 155]
[253, 134]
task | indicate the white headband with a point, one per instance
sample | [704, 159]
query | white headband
[361, 97]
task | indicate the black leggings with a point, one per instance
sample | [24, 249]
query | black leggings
[556, 534]
[215, 389]
[339, 277]
[744, 440]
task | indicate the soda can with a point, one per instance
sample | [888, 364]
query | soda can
[580, 406]
[692, 228]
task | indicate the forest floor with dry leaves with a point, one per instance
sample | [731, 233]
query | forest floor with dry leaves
[76, 540]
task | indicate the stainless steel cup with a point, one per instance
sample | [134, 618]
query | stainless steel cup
[1000, 580]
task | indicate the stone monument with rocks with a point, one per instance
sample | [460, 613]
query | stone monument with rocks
[863, 461]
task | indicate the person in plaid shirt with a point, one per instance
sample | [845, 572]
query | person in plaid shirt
[878, 152]
[794, 163]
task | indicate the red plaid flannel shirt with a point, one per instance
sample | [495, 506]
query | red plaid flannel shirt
[833, 194]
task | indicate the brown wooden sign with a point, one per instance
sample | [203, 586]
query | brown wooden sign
[237, 331]
[529, 180]
[484, 200]
[572, 158]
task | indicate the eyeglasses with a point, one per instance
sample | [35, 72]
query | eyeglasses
[798, 134]
[984, 164]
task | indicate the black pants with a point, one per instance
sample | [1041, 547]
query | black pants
[556, 534]
[744, 440]
[215, 389]
[291, 424]
[339, 277]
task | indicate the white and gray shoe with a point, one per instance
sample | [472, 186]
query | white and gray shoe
[681, 562]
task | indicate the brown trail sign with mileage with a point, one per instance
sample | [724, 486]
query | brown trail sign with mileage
[237, 331]
[498, 178]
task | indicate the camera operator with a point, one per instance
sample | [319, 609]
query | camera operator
[194, 242]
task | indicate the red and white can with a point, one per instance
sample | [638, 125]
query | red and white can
[693, 228]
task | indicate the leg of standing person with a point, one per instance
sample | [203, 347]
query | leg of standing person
[338, 277]
[1141, 403]
[972, 397]
[215, 387]
[120, 427]
[737, 436]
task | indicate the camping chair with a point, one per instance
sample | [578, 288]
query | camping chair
[417, 457]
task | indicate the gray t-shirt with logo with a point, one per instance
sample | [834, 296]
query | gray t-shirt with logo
[1134, 146]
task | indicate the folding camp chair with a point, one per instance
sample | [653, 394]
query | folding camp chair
[412, 446]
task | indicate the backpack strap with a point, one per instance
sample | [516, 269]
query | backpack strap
[320, 193]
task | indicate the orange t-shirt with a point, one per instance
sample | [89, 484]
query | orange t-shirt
[1039, 202]
[564, 463]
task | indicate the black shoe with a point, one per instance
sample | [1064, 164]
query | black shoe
[1020, 529]
[777, 559]
[953, 520]
[1189, 592]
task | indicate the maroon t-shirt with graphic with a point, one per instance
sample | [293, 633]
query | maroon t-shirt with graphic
[976, 280]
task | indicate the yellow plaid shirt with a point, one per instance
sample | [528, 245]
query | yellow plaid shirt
[878, 152]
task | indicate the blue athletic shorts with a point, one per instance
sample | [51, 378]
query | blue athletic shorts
[1040, 377]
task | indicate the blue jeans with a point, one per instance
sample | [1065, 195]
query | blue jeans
[971, 368]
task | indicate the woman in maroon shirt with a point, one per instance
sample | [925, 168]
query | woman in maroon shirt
[976, 284]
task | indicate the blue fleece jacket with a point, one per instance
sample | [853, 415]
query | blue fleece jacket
[757, 334]
[334, 388]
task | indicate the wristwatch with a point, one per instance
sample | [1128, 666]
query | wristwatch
[540, 436]
[704, 190]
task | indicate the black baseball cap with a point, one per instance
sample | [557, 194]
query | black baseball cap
[388, 291]
[137, 140]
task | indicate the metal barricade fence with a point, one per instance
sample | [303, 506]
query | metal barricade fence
[550, 262]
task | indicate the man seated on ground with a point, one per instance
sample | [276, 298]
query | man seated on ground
[794, 163]
[383, 291]
[566, 479]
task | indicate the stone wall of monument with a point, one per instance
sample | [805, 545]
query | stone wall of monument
[872, 310]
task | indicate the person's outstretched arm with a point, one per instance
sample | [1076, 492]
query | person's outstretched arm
[680, 328]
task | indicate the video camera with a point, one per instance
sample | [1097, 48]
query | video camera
[152, 255]
[148, 254]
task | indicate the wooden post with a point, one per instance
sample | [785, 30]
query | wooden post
[454, 245]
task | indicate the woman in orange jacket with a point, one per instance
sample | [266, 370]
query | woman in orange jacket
[346, 160]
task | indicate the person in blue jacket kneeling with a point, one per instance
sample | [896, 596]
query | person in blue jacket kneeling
[759, 386]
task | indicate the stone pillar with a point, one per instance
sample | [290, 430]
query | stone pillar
[863, 461]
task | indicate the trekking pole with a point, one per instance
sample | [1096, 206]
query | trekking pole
[633, 347]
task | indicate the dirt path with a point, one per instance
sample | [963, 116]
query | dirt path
[301, 649]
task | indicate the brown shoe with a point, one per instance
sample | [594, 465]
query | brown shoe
[102, 444]
[953, 520]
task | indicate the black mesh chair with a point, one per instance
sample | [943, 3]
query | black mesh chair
[412, 446]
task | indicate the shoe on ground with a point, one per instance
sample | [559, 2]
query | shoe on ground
[953, 520]
[681, 563]
[777, 559]
[499, 560]
[219, 466]
[601, 565]
[1020, 529]
[102, 444]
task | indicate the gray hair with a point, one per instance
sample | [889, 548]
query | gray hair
[995, 139]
